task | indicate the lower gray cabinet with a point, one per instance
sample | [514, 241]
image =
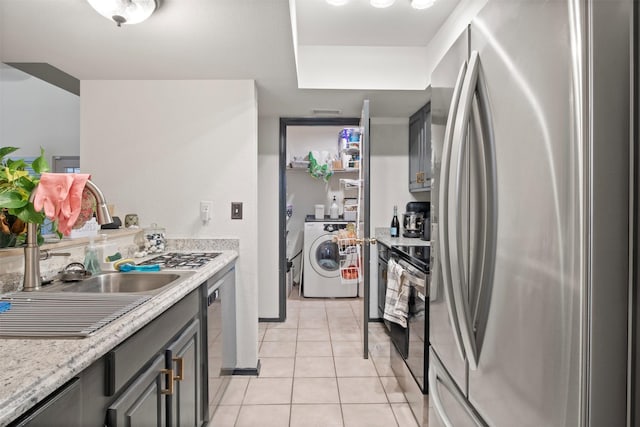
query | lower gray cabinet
[61, 409]
[168, 391]
[156, 377]
[143, 403]
[183, 359]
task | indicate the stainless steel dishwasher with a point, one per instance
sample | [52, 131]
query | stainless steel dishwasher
[221, 333]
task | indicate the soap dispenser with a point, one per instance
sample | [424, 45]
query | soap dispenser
[333, 210]
[91, 262]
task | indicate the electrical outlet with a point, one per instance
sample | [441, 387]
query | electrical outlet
[236, 210]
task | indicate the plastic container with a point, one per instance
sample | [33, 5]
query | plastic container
[334, 211]
[319, 211]
[91, 262]
[350, 209]
[154, 239]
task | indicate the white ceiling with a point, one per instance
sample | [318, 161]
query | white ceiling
[237, 39]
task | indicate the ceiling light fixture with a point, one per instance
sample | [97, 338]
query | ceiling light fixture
[337, 2]
[124, 11]
[381, 3]
[422, 4]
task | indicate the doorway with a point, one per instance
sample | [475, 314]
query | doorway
[282, 196]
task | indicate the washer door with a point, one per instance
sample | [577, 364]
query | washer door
[324, 256]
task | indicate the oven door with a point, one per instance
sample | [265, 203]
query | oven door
[418, 344]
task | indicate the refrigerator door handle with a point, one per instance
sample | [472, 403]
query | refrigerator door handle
[443, 246]
[488, 222]
[435, 396]
[438, 377]
[460, 133]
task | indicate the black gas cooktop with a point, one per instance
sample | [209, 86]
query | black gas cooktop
[418, 256]
[182, 261]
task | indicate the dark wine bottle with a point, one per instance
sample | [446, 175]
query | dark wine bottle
[394, 231]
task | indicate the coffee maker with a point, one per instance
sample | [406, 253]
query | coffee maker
[415, 218]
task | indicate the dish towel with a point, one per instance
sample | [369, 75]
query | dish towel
[60, 195]
[396, 304]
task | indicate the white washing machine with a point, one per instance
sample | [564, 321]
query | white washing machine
[322, 262]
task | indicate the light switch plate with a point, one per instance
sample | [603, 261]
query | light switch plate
[236, 210]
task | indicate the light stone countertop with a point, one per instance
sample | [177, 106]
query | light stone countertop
[382, 235]
[34, 368]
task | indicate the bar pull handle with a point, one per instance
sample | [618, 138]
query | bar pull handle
[180, 362]
[474, 85]
[443, 211]
[169, 380]
[488, 215]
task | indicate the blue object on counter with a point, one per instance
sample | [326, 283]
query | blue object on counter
[132, 267]
[4, 306]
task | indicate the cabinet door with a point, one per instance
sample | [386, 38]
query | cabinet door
[425, 150]
[61, 409]
[183, 356]
[143, 402]
[420, 149]
[415, 127]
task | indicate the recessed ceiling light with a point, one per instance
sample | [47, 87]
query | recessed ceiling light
[422, 4]
[381, 3]
[337, 2]
[124, 11]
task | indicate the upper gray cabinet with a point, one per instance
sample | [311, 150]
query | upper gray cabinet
[420, 150]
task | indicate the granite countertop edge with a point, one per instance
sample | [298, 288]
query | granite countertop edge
[34, 368]
[383, 237]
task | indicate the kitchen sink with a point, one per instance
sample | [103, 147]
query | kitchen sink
[121, 283]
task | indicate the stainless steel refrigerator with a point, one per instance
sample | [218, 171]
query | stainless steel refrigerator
[530, 217]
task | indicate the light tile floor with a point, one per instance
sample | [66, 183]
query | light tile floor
[313, 373]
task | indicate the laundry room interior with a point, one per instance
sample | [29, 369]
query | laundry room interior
[389, 152]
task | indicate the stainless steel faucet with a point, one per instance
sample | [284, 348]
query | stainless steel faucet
[32, 256]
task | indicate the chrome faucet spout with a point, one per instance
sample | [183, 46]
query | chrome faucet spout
[32, 280]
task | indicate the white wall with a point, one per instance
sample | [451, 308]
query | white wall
[157, 148]
[390, 170]
[34, 114]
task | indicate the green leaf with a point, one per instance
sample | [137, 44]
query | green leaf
[14, 165]
[15, 175]
[12, 199]
[7, 150]
[26, 183]
[28, 214]
[40, 165]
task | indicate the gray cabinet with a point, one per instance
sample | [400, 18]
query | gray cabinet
[168, 392]
[156, 377]
[143, 403]
[183, 358]
[420, 150]
[60, 409]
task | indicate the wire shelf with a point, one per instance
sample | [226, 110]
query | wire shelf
[350, 261]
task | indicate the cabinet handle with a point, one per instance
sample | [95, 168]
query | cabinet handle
[169, 374]
[180, 362]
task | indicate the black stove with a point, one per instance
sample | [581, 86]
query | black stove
[182, 261]
[418, 256]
